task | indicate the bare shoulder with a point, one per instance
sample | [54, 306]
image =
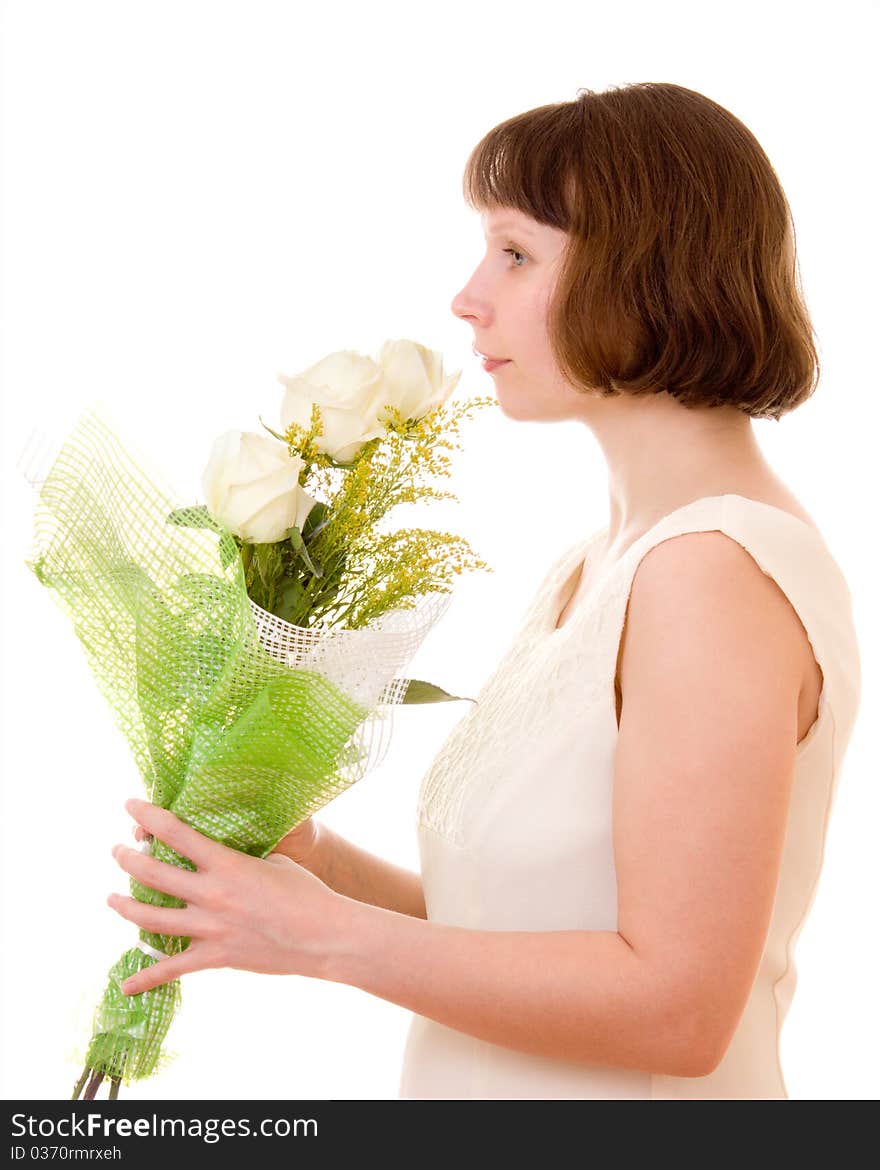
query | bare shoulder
[701, 596]
[691, 561]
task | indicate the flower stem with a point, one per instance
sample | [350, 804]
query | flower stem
[79, 1084]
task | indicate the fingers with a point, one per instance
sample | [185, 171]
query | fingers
[162, 823]
[165, 971]
[141, 834]
[158, 919]
[159, 875]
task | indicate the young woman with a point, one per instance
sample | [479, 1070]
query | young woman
[621, 841]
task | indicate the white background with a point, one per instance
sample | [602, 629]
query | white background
[197, 195]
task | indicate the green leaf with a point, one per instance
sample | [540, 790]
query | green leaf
[290, 596]
[271, 432]
[247, 559]
[296, 543]
[315, 521]
[419, 691]
[268, 561]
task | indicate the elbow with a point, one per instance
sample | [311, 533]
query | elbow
[699, 1043]
[689, 1059]
[697, 1060]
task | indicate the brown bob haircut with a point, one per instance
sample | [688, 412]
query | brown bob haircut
[681, 273]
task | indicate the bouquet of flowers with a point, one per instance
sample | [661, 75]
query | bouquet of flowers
[248, 646]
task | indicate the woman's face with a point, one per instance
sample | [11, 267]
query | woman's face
[505, 303]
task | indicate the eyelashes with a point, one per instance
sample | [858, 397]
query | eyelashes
[514, 252]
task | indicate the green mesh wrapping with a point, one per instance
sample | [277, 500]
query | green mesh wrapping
[239, 745]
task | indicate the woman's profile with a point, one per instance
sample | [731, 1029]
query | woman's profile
[621, 840]
[627, 769]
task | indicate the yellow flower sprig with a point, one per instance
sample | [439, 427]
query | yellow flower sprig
[366, 571]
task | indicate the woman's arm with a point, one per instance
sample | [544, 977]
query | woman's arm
[362, 876]
[580, 994]
[570, 995]
[349, 870]
[712, 665]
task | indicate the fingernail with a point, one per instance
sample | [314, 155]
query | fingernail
[133, 803]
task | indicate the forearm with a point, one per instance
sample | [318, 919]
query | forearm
[571, 995]
[364, 877]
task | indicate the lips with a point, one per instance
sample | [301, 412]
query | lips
[488, 356]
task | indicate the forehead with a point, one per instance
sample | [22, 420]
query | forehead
[505, 221]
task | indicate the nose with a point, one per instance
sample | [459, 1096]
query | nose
[467, 305]
[456, 306]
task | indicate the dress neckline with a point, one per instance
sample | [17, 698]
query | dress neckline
[580, 553]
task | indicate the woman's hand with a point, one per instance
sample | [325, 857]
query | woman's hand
[267, 915]
[301, 843]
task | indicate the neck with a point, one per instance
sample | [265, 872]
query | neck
[661, 455]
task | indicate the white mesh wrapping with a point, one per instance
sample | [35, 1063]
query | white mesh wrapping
[365, 663]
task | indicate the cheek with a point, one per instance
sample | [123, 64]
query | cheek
[543, 353]
[540, 318]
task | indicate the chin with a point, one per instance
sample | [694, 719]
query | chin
[522, 411]
[517, 410]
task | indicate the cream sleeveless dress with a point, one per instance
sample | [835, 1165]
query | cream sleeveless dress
[514, 812]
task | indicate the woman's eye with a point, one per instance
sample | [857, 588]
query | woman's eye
[514, 252]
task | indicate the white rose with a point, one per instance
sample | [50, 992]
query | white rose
[251, 485]
[346, 386]
[413, 378]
